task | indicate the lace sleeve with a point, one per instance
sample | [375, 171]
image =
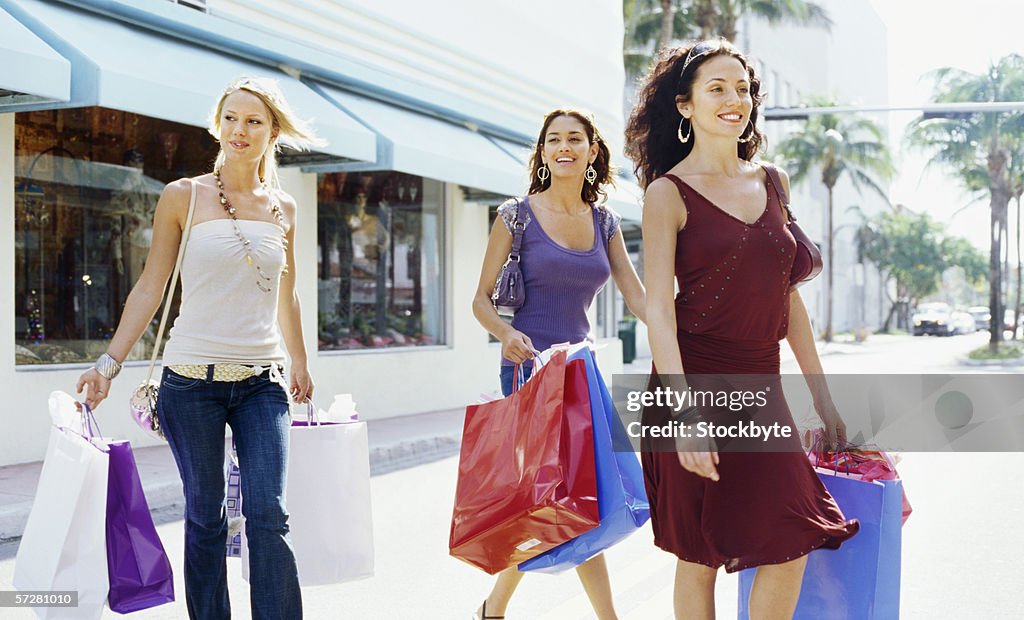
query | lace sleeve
[507, 212]
[610, 221]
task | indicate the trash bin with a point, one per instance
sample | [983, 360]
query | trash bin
[627, 334]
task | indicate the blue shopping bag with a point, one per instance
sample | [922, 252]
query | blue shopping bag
[622, 500]
[861, 579]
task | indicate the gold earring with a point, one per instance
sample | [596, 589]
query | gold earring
[679, 133]
[749, 136]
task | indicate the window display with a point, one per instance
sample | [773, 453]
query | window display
[87, 181]
[379, 260]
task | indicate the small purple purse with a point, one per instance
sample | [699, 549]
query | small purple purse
[807, 264]
[509, 292]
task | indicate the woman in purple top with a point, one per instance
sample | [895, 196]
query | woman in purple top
[570, 246]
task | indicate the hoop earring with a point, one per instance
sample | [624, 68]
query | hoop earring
[749, 137]
[543, 173]
[679, 133]
[590, 174]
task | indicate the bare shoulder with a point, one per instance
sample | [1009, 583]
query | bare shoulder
[783, 176]
[174, 199]
[177, 190]
[289, 207]
[662, 198]
[663, 193]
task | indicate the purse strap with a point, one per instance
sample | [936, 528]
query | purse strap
[780, 189]
[168, 293]
[518, 227]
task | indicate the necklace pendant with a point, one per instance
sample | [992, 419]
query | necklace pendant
[248, 258]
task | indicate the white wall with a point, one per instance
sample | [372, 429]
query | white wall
[849, 63]
[564, 53]
[519, 59]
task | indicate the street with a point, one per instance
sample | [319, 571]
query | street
[962, 547]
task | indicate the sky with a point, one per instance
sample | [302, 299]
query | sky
[925, 35]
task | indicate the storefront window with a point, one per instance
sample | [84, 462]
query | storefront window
[381, 281]
[87, 181]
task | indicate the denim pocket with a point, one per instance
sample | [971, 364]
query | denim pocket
[174, 381]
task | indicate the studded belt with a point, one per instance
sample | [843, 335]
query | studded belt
[227, 372]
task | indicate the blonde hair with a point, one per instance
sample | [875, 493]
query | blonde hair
[292, 131]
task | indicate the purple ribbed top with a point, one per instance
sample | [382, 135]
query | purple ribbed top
[560, 283]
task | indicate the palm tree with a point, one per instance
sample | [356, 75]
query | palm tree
[719, 17]
[1016, 173]
[838, 145]
[963, 141]
[651, 25]
[659, 22]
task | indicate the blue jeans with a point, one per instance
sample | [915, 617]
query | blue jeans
[507, 376]
[193, 414]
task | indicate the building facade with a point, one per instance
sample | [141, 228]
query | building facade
[429, 120]
[849, 63]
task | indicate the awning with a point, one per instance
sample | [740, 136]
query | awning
[32, 71]
[120, 66]
[429, 147]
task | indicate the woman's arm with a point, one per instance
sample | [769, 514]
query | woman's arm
[624, 275]
[801, 340]
[145, 296]
[289, 311]
[664, 217]
[515, 345]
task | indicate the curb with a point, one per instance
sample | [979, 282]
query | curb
[1012, 362]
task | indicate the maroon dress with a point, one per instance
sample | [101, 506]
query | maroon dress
[731, 312]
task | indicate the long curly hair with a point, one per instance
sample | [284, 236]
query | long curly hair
[591, 192]
[651, 140]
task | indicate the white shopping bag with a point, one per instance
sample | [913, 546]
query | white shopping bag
[328, 499]
[64, 546]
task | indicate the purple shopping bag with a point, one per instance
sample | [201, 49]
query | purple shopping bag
[140, 573]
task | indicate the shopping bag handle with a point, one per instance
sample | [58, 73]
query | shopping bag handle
[90, 427]
[311, 414]
[517, 372]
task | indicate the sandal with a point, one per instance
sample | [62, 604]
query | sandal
[482, 614]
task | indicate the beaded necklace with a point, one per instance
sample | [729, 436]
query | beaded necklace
[262, 277]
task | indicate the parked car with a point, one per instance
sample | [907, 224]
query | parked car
[963, 323]
[1008, 320]
[933, 318]
[982, 316]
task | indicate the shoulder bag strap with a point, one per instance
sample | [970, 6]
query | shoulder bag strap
[518, 226]
[780, 189]
[169, 292]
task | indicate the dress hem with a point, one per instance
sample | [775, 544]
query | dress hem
[822, 541]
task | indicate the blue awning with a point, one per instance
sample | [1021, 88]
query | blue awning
[430, 147]
[120, 66]
[31, 71]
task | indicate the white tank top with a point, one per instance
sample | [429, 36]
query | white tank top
[224, 316]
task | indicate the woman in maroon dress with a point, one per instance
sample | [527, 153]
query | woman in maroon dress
[713, 221]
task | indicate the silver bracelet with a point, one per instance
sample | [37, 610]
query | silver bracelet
[107, 366]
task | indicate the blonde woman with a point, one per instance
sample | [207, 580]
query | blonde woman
[223, 359]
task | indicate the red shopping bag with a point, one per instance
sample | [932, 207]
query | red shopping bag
[527, 481]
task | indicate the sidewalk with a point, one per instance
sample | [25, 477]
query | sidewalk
[395, 443]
